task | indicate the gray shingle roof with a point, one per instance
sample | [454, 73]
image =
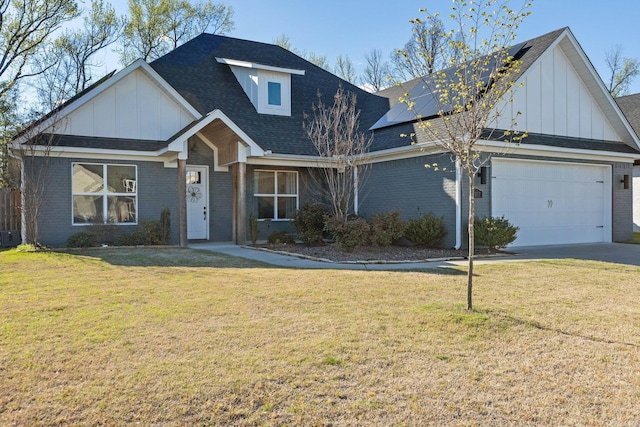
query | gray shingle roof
[630, 106]
[97, 142]
[193, 71]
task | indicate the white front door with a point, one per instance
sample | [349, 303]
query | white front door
[197, 202]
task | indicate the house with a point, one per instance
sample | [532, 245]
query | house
[630, 106]
[214, 131]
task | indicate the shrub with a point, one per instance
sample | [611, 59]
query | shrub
[105, 233]
[254, 231]
[425, 230]
[309, 221]
[135, 238]
[280, 237]
[82, 239]
[493, 232]
[165, 226]
[386, 228]
[349, 234]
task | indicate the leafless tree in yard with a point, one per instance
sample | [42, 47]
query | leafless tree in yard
[473, 90]
[335, 133]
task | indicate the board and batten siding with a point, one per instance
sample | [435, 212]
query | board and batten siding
[132, 108]
[554, 100]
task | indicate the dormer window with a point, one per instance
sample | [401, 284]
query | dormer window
[274, 93]
[268, 87]
[274, 96]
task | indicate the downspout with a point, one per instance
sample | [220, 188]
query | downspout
[458, 206]
[23, 221]
[355, 189]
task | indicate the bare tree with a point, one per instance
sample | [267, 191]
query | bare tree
[284, 41]
[335, 133]
[473, 92]
[33, 147]
[425, 52]
[377, 73]
[155, 27]
[74, 52]
[345, 70]
[622, 71]
[25, 25]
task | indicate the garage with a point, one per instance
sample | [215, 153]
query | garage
[553, 203]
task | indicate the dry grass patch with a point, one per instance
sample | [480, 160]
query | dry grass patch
[182, 337]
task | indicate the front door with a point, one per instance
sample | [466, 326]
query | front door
[197, 202]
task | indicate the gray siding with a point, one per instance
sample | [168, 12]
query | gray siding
[305, 194]
[407, 186]
[156, 190]
[622, 213]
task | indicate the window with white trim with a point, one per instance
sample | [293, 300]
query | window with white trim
[276, 193]
[274, 93]
[104, 193]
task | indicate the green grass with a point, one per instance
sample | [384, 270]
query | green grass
[636, 238]
[183, 337]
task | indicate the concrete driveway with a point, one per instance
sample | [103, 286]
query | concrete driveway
[609, 252]
[619, 253]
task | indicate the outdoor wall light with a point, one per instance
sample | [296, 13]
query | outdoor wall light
[482, 173]
[625, 181]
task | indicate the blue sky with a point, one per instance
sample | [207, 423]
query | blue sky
[333, 27]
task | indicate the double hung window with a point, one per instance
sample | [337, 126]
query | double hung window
[276, 193]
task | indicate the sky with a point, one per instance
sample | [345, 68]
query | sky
[355, 27]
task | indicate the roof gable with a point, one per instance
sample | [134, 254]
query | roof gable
[560, 93]
[135, 104]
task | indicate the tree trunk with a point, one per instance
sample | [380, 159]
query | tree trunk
[471, 177]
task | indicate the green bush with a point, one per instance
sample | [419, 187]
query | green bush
[425, 230]
[105, 233]
[165, 226]
[349, 234]
[493, 232]
[254, 231]
[309, 221]
[134, 238]
[386, 228]
[82, 239]
[281, 237]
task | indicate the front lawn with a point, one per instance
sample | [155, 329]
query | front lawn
[184, 337]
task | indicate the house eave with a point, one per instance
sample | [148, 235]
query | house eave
[246, 64]
[553, 151]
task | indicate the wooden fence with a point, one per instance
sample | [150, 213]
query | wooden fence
[9, 209]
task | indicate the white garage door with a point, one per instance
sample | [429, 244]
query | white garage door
[553, 202]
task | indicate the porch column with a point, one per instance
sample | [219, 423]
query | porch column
[182, 202]
[239, 182]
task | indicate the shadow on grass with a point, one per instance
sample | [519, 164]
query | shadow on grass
[165, 257]
[536, 325]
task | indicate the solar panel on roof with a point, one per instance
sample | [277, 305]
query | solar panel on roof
[422, 95]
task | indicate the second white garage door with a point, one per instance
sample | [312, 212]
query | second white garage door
[553, 202]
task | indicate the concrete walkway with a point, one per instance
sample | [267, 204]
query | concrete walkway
[609, 252]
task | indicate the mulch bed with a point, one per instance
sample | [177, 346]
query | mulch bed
[367, 253]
